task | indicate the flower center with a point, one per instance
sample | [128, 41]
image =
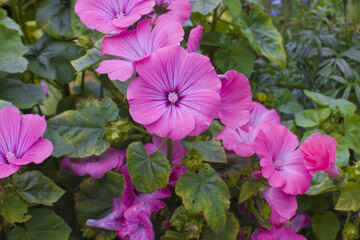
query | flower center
[10, 157]
[278, 164]
[120, 14]
[173, 97]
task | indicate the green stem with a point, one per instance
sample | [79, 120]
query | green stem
[14, 13]
[22, 23]
[169, 149]
[161, 144]
[83, 81]
[146, 132]
[13, 183]
[101, 89]
[213, 28]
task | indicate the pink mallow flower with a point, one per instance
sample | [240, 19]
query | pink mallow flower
[194, 39]
[282, 165]
[131, 46]
[95, 166]
[319, 154]
[236, 103]
[283, 205]
[132, 196]
[112, 16]
[240, 140]
[177, 93]
[21, 140]
[179, 152]
[300, 221]
[175, 10]
[139, 226]
[285, 232]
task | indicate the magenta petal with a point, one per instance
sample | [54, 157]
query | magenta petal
[36, 153]
[7, 169]
[262, 114]
[283, 205]
[116, 69]
[138, 223]
[9, 130]
[194, 39]
[236, 102]
[180, 11]
[275, 233]
[166, 34]
[300, 221]
[126, 21]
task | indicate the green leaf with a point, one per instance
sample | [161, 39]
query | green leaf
[352, 131]
[344, 106]
[35, 188]
[234, 6]
[91, 57]
[322, 183]
[230, 231]
[53, 16]
[286, 101]
[148, 173]
[311, 117]
[349, 198]
[204, 6]
[205, 192]
[320, 225]
[82, 128]
[20, 94]
[249, 189]
[263, 36]
[211, 39]
[4, 104]
[342, 150]
[193, 161]
[352, 53]
[236, 55]
[8, 22]
[210, 151]
[50, 59]
[172, 235]
[43, 225]
[13, 208]
[12, 50]
[258, 3]
[95, 201]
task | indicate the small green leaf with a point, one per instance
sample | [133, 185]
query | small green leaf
[148, 173]
[35, 188]
[258, 3]
[204, 6]
[249, 189]
[50, 59]
[193, 161]
[320, 225]
[8, 22]
[263, 36]
[349, 198]
[230, 231]
[172, 235]
[4, 104]
[236, 55]
[12, 51]
[210, 151]
[43, 225]
[20, 94]
[13, 208]
[322, 183]
[53, 17]
[234, 6]
[95, 201]
[205, 192]
[83, 128]
[91, 57]
[342, 150]
[352, 131]
[311, 117]
[344, 106]
[286, 101]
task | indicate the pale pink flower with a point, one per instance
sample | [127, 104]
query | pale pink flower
[236, 103]
[114, 221]
[139, 226]
[131, 46]
[177, 93]
[177, 11]
[241, 139]
[95, 166]
[283, 205]
[319, 154]
[285, 232]
[21, 140]
[282, 165]
[300, 221]
[112, 16]
[132, 196]
[179, 152]
[194, 39]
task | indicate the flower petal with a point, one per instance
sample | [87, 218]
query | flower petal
[7, 169]
[116, 69]
[36, 153]
[194, 39]
[9, 130]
